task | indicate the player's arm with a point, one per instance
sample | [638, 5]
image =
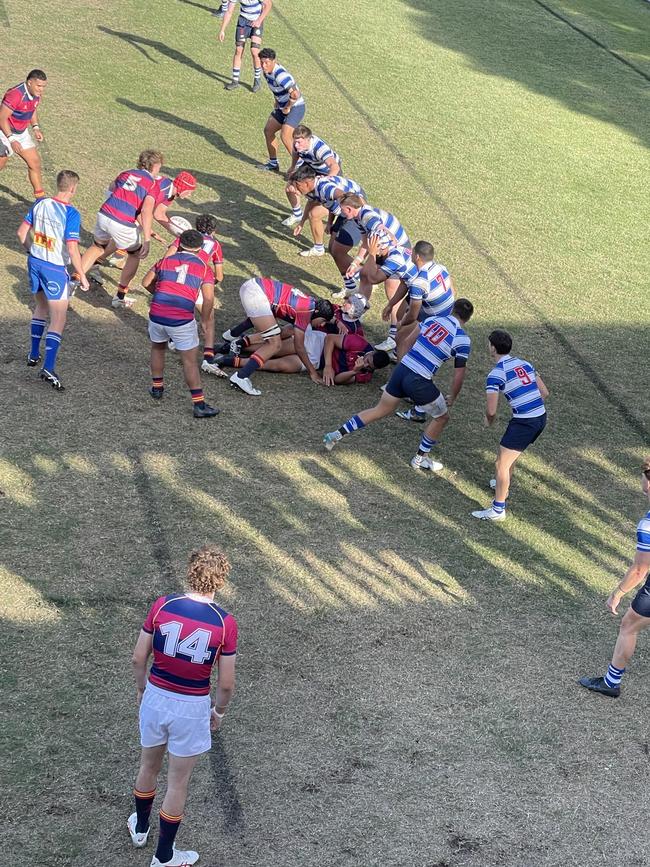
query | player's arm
[207, 290]
[359, 258]
[309, 207]
[301, 352]
[460, 371]
[333, 168]
[5, 113]
[491, 403]
[38, 135]
[400, 293]
[160, 216]
[149, 280]
[24, 235]
[411, 315]
[294, 96]
[266, 8]
[75, 259]
[225, 689]
[141, 654]
[146, 220]
[635, 575]
[226, 20]
[543, 390]
[217, 268]
[332, 342]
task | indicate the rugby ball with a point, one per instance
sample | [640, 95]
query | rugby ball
[180, 224]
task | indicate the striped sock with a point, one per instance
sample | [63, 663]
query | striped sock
[157, 382]
[350, 283]
[498, 506]
[392, 331]
[143, 804]
[52, 345]
[254, 363]
[419, 409]
[235, 74]
[272, 161]
[614, 676]
[208, 354]
[297, 212]
[224, 6]
[168, 829]
[36, 333]
[426, 445]
[257, 73]
[352, 424]
[197, 397]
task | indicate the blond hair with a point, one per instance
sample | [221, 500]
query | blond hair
[351, 200]
[148, 159]
[207, 570]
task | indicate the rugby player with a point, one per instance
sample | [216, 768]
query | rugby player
[124, 221]
[50, 234]
[308, 150]
[250, 26]
[175, 283]
[189, 636]
[438, 340]
[637, 617]
[264, 302]
[167, 191]
[288, 111]
[349, 358]
[17, 112]
[525, 392]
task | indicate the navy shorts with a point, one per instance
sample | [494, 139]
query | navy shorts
[404, 382]
[244, 31]
[294, 117]
[641, 602]
[522, 432]
[346, 232]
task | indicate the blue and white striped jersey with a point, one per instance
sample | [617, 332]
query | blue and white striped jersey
[397, 263]
[281, 83]
[433, 288]
[643, 535]
[315, 155]
[375, 221]
[440, 339]
[326, 187]
[517, 380]
[249, 9]
[53, 224]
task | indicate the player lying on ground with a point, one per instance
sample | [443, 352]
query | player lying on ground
[124, 221]
[175, 282]
[288, 111]
[189, 636]
[637, 616]
[50, 234]
[250, 27]
[313, 152]
[525, 392]
[17, 112]
[438, 340]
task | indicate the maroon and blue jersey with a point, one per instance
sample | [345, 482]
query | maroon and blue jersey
[22, 105]
[188, 638]
[210, 251]
[354, 346]
[164, 190]
[179, 278]
[288, 303]
[127, 196]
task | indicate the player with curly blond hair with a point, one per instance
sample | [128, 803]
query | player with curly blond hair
[188, 635]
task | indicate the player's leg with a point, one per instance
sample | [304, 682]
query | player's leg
[403, 335]
[391, 285]
[256, 44]
[56, 292]
[3, 162]
[41, 311]
[186, 339]
[271, 129]
[144, 792]
[296, 208]
[636, 620]
[159, 341]
[506, 457]
[316, 215]
[286, 135]
[345, 235]
[258, 309]
[127, 274]
[386, 406]
[370, 275]
[34, 169]
[287, 364]
[171, 812]
[240, 39]
[437, 409]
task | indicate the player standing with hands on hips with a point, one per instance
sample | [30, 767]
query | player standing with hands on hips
[189, 636]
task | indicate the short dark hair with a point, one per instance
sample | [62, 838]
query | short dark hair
[206, 224]
[267, 54]
[501, 341]
[645, 468]
[38, 74]
[380, 359]
[301, 131]
[463, 309]
[425, 251]
[323, 308]
[304, 173]
[66, 179]
[191, 240]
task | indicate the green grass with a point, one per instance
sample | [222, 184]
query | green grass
[407, 677]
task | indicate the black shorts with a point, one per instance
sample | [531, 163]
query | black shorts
[641, 602]
[346, 232]
[245, 31]
[522, 432]
[404, 382]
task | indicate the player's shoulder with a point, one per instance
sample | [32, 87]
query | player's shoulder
[644, 524]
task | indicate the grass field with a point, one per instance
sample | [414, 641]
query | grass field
[407, 676]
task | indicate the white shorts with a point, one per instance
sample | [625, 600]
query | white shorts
[254, 300]
[126, 237]
[23, 138]
[180, 721]
[437, 407]
[314, 345]
[184, 336]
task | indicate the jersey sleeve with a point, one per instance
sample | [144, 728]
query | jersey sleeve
[496, 380]
[208, 275]
[217, 254]
[11, 99]
[29, 217]
[418, 288]
[643, 536]
[72, 225]
[230, 633]
[149, 624]
[462, 347]
[302, 320]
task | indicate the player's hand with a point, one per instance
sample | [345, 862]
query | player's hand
[298, 229]
[286, 110]
[83, 282]
[486, 421]
[328, 228]
[215, 722]
[138, 696]
[613, 600]
[315, 376]
[16, 147]
[373, 245]
[38, 135]
[144, 250]
[290, 186]
[222, 35]
[359, 363]
[385, 313]
[328, 375]
[257, 23]
[341, 327]
[352, 270]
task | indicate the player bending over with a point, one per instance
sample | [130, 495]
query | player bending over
[311, 151]
[17, 112]
[175, 283]
[525, 392]
[50, 234]
[250, 26]
[288, 111]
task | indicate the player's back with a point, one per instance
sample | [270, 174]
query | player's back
[288, 302]
[316, 153]
[440, 338]
[438, 294]
[517, 379]
[376, 221]
[53, 223]
[179, 278]
[125, 200]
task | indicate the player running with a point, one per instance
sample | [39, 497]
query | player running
[17, 112]
[50, 234]
[311, 151]
[264, 302]
[189, 636]
[525, 392]
[288, 111]
[124, 221]
[175, 283]
[439, 339]
[637, 617]
[250, 26]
